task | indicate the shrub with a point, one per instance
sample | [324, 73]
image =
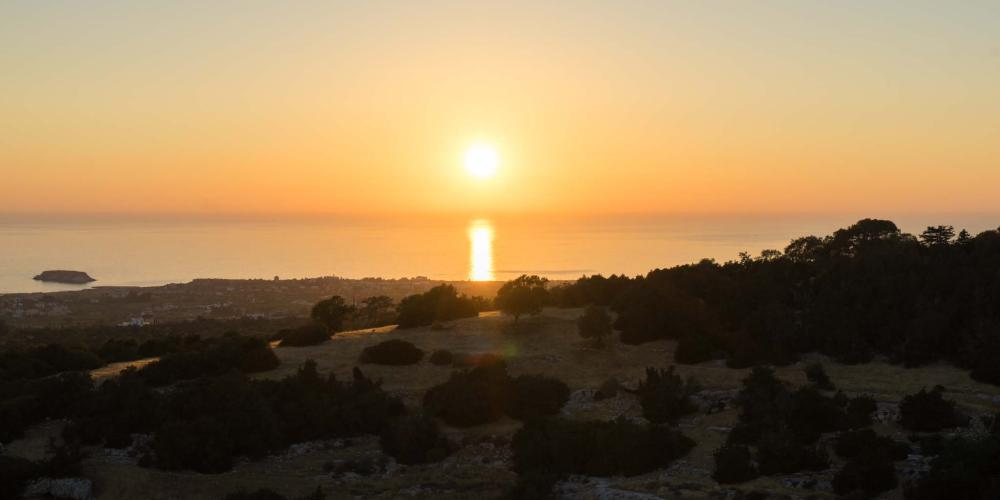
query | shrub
[779, 452]
[871, 472]
[537, 396]
[331, 313]
[441, 303]
[471, 397]
[693, 349]
[392, 352]
[305, 335]
[595, 448]
[927, 411]
[817, 376]
[859, 411]
[118, 350]
[414, 440]
[595, 324]
[532, 486]
[850, 444]
[733, 464]
[442, 357]
[665, 397]
[15, 473]
[212, 358]
[965, 469]
[522, 295]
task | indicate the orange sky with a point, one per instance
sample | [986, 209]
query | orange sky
[252, 107]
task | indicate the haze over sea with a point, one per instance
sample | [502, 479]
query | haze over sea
[156, 251]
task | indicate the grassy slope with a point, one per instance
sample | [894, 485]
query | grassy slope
[547, 344]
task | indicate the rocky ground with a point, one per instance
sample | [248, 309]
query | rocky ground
[481, 467]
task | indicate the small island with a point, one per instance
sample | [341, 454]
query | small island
[68, 277]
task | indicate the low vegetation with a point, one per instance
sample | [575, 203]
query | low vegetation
[414, 440]
[485, 393]
[392, 352]
[595, 325]
[304, 335]
[928, 411]
[441, 303]
[665, 397]
[553, 447]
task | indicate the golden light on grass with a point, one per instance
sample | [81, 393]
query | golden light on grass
[481, 251]
[481, 161]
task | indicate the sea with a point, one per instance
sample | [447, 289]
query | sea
[147, 251]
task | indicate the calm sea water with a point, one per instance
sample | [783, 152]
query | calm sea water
[154, 252]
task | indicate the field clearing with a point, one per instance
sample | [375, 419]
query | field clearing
[547, 344]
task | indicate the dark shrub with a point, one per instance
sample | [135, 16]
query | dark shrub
[305, 335]
[927, 411]
[811, 414]
[537, 396]
[694, 348]
[733, 464]
[471, 397]
[117, 350]
[261, 494]
[211, 358]
[871, 472]
[392, 352]
[532, 486]
[15, 473]
[414, 440]
[859, 411]
[595, 448]
[522, 295]
[779, 452]
[817, 376]
[665, 397]
[595, 324]
[442, 357]
[850, 444]
[966, 469]
[441, 303]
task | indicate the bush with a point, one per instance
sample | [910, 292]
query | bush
[665, 397]
[15, 473]
[471, 397]
[118, 350]
[733, 464]
[779, 452]
[817, 376]
[305, 335]
[870, 472]
[212, 358]
[442, 357]
[850, 444]
[522, 295]
[595, 448]
[441, 303]
[537, 396]
[392, 352]
[859, 411]
[965, 469]
[927, 411]
[693, 349]
[595, 324]
[532, 486]
[414, 440]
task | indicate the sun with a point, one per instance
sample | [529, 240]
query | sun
[481, 161]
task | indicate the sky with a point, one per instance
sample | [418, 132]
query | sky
[318, 107]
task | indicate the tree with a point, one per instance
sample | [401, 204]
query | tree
[595, 324]
[331, 312]
[373, 308]
[524, 295]
[938, 235]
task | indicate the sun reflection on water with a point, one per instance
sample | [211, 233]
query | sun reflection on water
[481, 250]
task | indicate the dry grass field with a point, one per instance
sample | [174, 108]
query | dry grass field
[547, 344]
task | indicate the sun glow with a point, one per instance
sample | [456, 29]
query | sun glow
[481, 161]
[481, 250]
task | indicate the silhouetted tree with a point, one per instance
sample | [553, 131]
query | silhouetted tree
[374, 308]
[523, 295]
[331, 312]
[937, 235]
[595, 324]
